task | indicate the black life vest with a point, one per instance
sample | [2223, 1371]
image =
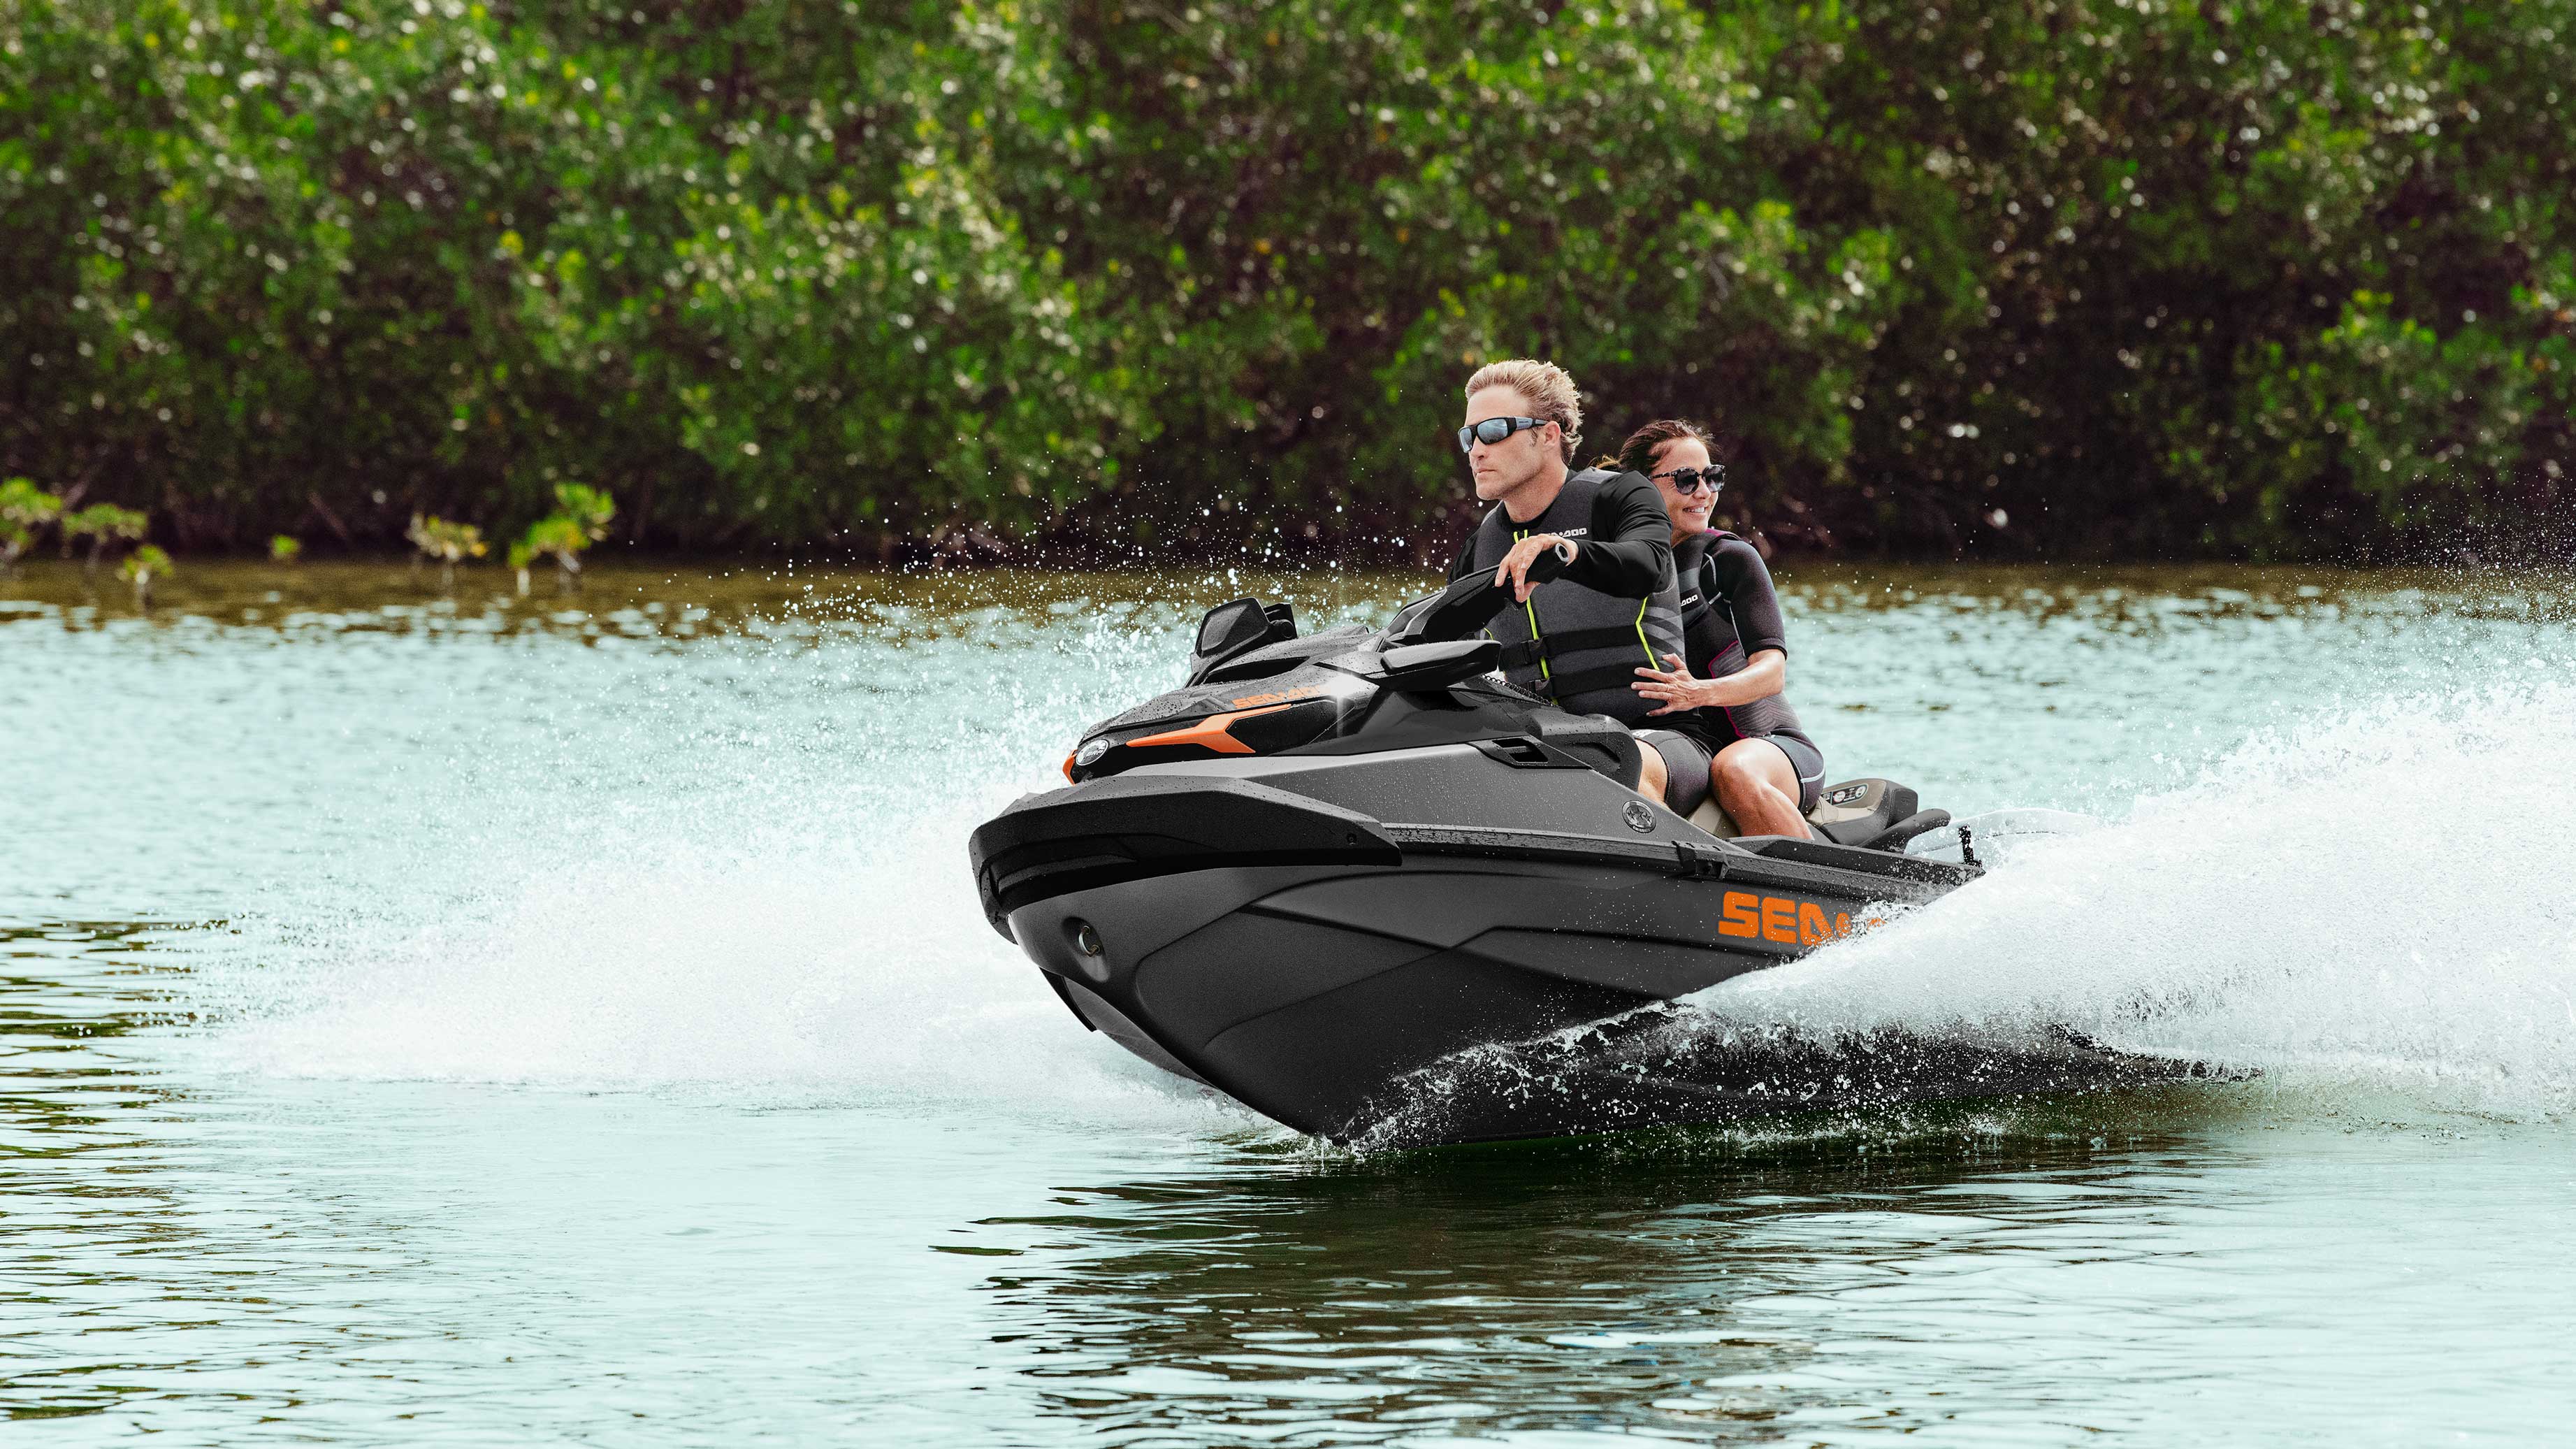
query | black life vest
[1571, 644]
[1695, 571]
[1714, 652]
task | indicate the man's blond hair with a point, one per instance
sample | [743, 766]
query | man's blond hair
[1549, 388]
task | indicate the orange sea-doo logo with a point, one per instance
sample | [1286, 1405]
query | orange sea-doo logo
[1775, 918]
[1277, 696]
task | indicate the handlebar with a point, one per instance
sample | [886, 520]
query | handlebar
[1462, 608]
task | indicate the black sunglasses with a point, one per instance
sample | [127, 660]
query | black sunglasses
[1687, 481]
[1493, 430]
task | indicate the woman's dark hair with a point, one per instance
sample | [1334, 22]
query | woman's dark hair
[1637, 455]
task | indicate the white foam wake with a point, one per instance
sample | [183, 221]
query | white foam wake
[2381, 896]
[826, 973]
[2378, 895]
[717, 890]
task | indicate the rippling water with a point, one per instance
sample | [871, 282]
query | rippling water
[518, 1021]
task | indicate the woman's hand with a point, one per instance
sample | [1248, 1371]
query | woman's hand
[1758, 679]
[1513, 573]
[1674, 687]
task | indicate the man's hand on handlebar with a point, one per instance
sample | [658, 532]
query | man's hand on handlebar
[1515, 569]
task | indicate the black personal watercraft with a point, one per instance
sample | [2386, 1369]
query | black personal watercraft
[1330, 864]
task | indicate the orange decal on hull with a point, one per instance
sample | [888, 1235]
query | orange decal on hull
[1740, 918]
[1277, 696]
[1780, 920]
[1743, 914]
[1210, 733]
[1813, 928]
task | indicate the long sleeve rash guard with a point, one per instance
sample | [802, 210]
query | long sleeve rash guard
[1627, 552]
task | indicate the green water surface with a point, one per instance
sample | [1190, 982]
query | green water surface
[465, 1018]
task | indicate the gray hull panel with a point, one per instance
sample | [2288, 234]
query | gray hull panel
[1305, 992]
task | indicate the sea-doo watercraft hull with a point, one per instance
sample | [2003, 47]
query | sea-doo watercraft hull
[1234, 922]
[1330, 862]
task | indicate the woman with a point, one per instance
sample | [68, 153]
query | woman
[1731, 725]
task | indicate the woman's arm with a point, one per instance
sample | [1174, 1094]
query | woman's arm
[1741, 581]
[1737, 582]
[1765, 674]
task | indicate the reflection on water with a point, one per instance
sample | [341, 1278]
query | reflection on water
[79, 1189]
[1509, 1290]
[569, 1018]
[2039, 1276]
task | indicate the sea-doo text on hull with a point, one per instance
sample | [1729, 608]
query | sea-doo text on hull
[1329, 862]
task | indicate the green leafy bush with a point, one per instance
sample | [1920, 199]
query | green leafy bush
[581, 518]
[140, 568]
[24, 508]
[444, 543]
[2133, 277]
[105, 525]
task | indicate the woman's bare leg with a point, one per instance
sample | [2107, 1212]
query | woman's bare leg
[1758, 788]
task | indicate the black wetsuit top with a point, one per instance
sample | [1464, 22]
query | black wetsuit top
[1730, 612]
[1626, 550]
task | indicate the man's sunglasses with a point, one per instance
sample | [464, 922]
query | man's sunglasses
[1493, 430]
[1687, 481]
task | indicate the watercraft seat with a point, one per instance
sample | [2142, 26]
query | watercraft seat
[1855, 812]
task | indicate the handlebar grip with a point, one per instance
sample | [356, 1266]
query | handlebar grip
[1463, 608]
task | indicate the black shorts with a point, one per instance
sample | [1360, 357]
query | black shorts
[1806, 762]
[1686, 762]
[1687, 759]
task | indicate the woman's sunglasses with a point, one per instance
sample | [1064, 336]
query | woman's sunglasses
[1493, 430]
[1687, 481]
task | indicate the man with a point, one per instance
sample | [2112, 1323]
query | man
[1580, 638]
